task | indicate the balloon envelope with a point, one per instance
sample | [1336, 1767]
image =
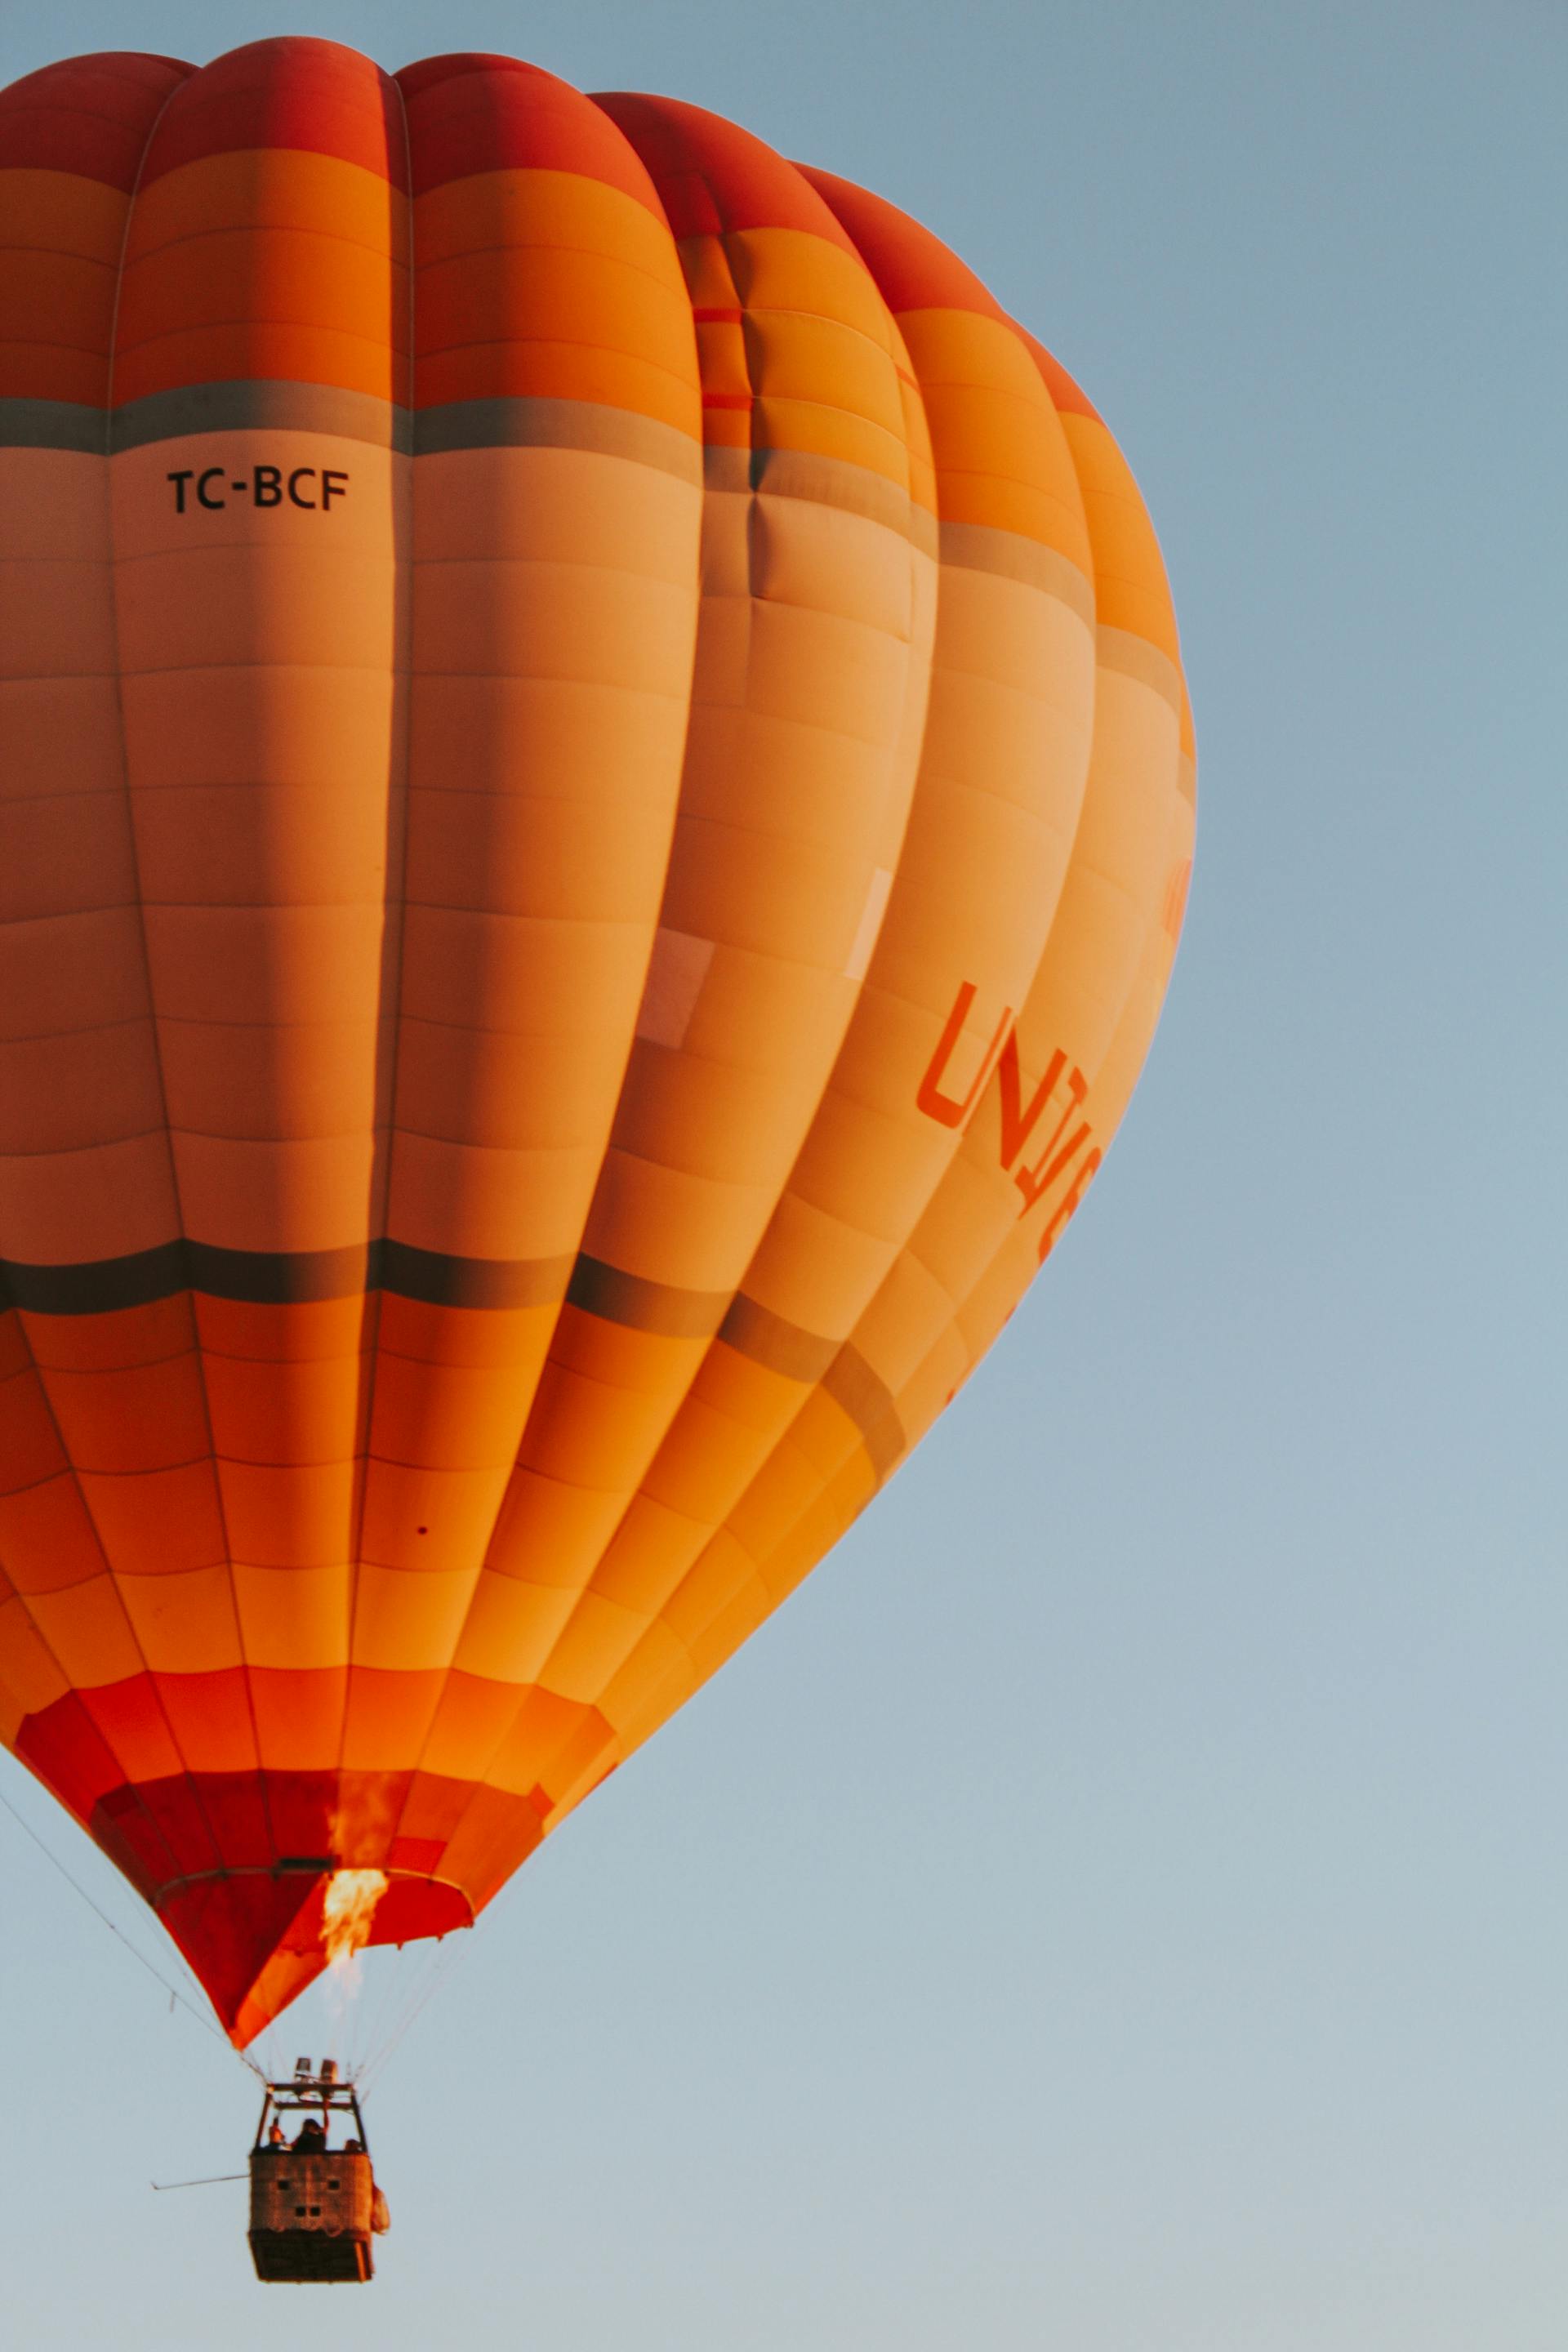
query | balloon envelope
[596, 796]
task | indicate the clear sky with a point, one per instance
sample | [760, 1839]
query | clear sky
[1119, 1903]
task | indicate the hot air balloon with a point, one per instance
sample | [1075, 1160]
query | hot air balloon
[597, 797]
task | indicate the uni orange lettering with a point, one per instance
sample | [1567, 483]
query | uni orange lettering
[946, 1108]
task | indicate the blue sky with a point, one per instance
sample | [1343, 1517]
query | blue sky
[1119, 1903]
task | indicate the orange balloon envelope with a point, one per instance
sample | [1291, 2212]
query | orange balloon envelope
[596, 796]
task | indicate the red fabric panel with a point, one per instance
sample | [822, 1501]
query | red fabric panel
[234, 1805]
[30, 1448]
[472, 114]
[913, 269]
[176, 1806]
[416, 1854]
[228, 1928]
[1058, 384]
[134, 1844]
[302, 1809]
[209, 1715]
[286, 93]
[711, 175]
[64, 1747]
[88, 115]
[131, 1717]
[284, 1978]
[411, 1908]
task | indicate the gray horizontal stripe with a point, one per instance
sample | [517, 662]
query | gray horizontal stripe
[827, 482]
[753, 1332]
[643, 1305]
[539, 424]
[263, 404]
[52, 425]
[978, 547]
[259, 404]
[869, 1401]
[1134, 656]
[486, 1282]
[97, 1288]
[281, 1278]
[768, 1340]
[266, 1278]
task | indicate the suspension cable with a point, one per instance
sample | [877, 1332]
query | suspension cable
[441, 1968]
[207, 2024]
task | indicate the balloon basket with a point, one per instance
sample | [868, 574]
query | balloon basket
[314, 2208]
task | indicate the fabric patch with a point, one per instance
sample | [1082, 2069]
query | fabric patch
[870, 923]
[675, 976]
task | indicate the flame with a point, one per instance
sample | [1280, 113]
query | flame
[347, 1910]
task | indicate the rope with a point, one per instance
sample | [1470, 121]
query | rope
[423, 1994]
[174, 1992]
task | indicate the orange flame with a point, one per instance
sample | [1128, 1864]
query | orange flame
[347, 1911]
